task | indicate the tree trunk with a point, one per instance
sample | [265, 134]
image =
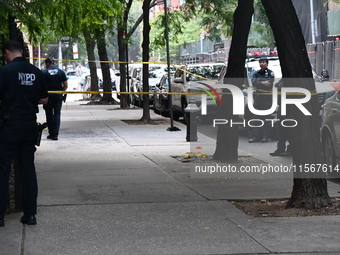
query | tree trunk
[310, 189]
[121, 48]
[90, 44]
[122, 67]
[227, 137]
[107, 87]
[145, 57]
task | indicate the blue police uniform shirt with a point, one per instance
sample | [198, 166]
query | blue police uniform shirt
[54, 78]
[22, 85]
[263, 75]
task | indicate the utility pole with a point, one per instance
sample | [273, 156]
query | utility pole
[60, 55]
[172, 127]
[312, 21]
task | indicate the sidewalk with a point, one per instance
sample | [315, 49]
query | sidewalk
[107, 187]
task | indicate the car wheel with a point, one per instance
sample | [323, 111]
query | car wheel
[155, 108]
[164, 112]
[176, 115]
[133, 100]
[140, 101]
[184, 105]
[328, 150]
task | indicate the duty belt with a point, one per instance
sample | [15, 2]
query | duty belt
[23, 117]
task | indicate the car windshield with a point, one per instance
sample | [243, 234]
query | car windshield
[251, 71]
[71, 73]
[155, 74]
[201, 72]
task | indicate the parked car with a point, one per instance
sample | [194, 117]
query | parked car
[71, 73]
[100, 79]
[154, 75]
[132, 67]
[324, 89]
[72, 80]
[330, 133]
[154, 78]
[136, 69]
[191, 78]
[161, 100]
[73, 83]
[83, 77]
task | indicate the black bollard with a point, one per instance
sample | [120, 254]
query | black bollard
[192, 120]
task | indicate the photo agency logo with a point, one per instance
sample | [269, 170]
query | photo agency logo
[213, 95]
[239, 104]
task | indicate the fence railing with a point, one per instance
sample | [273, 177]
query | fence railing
[324, 55]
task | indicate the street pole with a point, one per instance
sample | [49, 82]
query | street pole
[60, 56]
[172, 127]
[127, 96]
[312, 21]
[39, 55]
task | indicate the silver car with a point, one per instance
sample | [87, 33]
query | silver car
[192, 78]
[330, 133]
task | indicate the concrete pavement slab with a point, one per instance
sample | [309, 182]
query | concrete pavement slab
[302, 234]
[11, 235]
[110, 186]
[317, 235]
[148, 228]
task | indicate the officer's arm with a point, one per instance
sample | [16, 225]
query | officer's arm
[43, 100]
[65, 85]
[257, 81]
[254, 80]
[266, 83]
[269, 82]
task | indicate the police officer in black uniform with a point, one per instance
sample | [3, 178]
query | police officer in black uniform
[22, 88]
[56, 80]
[263, 81]
[283, 133]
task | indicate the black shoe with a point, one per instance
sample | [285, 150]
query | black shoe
[286, 154]
[266, 140]
[28, 219]
[276, 153]
[52, 137]
[253, 140]
[2, 223]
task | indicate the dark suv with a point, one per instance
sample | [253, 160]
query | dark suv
[330, 134]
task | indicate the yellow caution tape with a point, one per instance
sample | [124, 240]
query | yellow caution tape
[313, 93]
[258, 91]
